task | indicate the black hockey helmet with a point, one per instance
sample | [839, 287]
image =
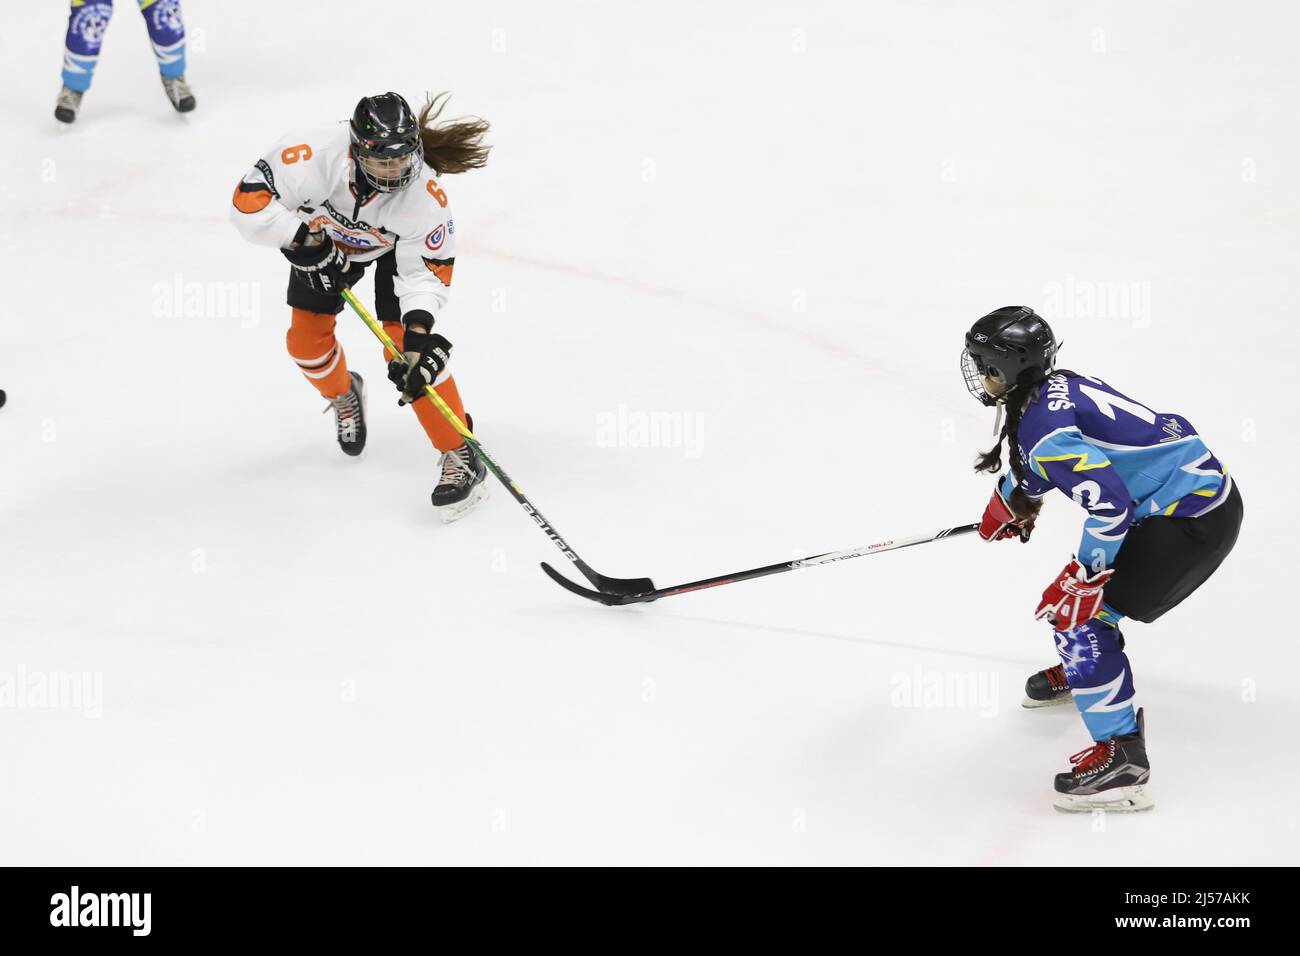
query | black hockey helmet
[386, 145]
[1011, 345]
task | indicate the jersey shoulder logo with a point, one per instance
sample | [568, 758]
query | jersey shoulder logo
[434, 240]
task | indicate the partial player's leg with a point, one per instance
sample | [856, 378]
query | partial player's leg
[167, 35]
[86, 25]
[461, 483]
[1111, 774]
[1163, 561]
[320, 358]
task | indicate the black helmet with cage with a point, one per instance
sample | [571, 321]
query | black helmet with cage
[1010, 348]
[386, 146]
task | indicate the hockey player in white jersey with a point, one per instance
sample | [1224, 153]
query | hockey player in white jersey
[335, 199]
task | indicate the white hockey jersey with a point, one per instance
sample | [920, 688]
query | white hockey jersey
[306, 178]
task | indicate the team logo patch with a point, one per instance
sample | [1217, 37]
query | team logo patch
[435, 239]
[90, 23]
[167, 17]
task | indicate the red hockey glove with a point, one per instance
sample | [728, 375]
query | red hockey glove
[999, 522]
[1073, 598]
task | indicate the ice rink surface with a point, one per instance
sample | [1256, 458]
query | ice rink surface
[709, 300]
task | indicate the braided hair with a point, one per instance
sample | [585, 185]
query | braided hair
[991, 460]
[1017, 400]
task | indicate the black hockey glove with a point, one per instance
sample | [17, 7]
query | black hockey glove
[425, 357]
[321, 264]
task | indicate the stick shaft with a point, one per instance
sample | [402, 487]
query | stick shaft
[830, 557]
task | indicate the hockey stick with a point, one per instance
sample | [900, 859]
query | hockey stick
[611, 587]
[830, 557]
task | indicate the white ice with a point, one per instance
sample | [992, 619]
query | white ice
[765, 223]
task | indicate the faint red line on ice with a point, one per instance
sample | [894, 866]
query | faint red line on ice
[765, 319]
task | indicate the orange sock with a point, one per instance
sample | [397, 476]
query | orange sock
[439, 430]
[319, 356]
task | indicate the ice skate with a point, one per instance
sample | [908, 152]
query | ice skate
[67, 105]
[350, 417]
[462, 484]
[179, 93]
[1110, 776]
[1047, 688]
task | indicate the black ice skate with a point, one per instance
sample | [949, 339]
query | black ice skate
[1109, 776]
[65, 109]
[462, 484]
[1047, 688]
[179, 93]
[350, 417]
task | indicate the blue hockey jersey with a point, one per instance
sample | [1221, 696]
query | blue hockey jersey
[1117, 458]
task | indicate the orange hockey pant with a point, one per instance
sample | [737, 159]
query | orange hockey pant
[320, 358]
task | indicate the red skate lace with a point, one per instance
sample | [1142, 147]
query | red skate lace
[1056, 677]
[1093, 758]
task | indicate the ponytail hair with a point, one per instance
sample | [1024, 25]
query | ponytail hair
[452, 146]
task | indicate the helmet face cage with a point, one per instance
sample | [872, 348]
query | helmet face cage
[973, 371]
[385, 167]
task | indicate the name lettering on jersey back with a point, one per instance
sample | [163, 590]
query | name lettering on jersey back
[1058, 393]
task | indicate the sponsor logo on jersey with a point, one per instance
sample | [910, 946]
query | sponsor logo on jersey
[352, 243]
[359, 225]
[353, 236]
[433, 241]
[264, 168]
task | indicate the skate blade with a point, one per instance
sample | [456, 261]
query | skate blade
[449, 513]
[1120, 800]
[1030, 704]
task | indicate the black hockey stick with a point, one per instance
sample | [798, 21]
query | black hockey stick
[830, 557]
[611, 587]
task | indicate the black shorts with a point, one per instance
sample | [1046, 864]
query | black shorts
[1163, 560]
[387, 307]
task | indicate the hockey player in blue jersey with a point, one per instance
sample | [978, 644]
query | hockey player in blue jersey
[87, 22]
[1163, 513]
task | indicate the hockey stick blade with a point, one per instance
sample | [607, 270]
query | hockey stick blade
[613, 591]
